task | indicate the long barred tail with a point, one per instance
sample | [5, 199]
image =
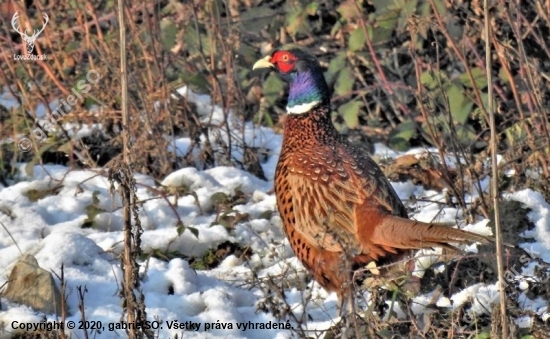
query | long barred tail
[403, 233]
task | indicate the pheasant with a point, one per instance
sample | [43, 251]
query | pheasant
[339, 211]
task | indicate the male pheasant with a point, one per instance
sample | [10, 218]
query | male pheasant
[339, 211]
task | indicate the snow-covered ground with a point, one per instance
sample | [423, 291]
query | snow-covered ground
[223, 301]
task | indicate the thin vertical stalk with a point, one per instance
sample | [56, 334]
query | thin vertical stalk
[127, 212]
[494, 176]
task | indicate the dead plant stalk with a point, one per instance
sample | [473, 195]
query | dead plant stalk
[127, 212]
[494, 164]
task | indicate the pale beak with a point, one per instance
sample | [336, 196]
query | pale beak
[263, 63]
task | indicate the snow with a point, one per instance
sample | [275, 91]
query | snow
[51, 230]
[540, 215]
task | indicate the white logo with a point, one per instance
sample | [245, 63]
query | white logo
[28, 39]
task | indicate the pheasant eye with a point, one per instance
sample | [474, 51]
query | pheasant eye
[285, 57]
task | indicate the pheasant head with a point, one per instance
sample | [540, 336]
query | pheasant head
[307, 85]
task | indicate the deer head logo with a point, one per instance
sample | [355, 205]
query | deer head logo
[28, 39]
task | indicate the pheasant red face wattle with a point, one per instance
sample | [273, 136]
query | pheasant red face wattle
[284, 61]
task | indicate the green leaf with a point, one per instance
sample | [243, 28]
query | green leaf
[248, 53]
[386, 334]
[382, 6]
[92, 211]
[357, 39]
[258, 16]
[193, 231]
[440, 6]
[168, 33]
[387, 20]
[35, 195]
[66, 147]
[219, 198]
[311, 8]
[400, 137]
[432, 79]
[336, 65]
[480, 78]
[483, 335]
[409, 7]
[72, 46]
[516, 133]
[350, 113]
[344, 83]
[465, 134]
[266, 215]
[263, 118]
[337, 26]
[180, 228]
[503, 75]
[196, 80]
[460, 105]
[194, 40]
[380, 34]
[294, 20]
[273, 87]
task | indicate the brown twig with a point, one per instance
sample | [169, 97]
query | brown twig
[495, 172]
